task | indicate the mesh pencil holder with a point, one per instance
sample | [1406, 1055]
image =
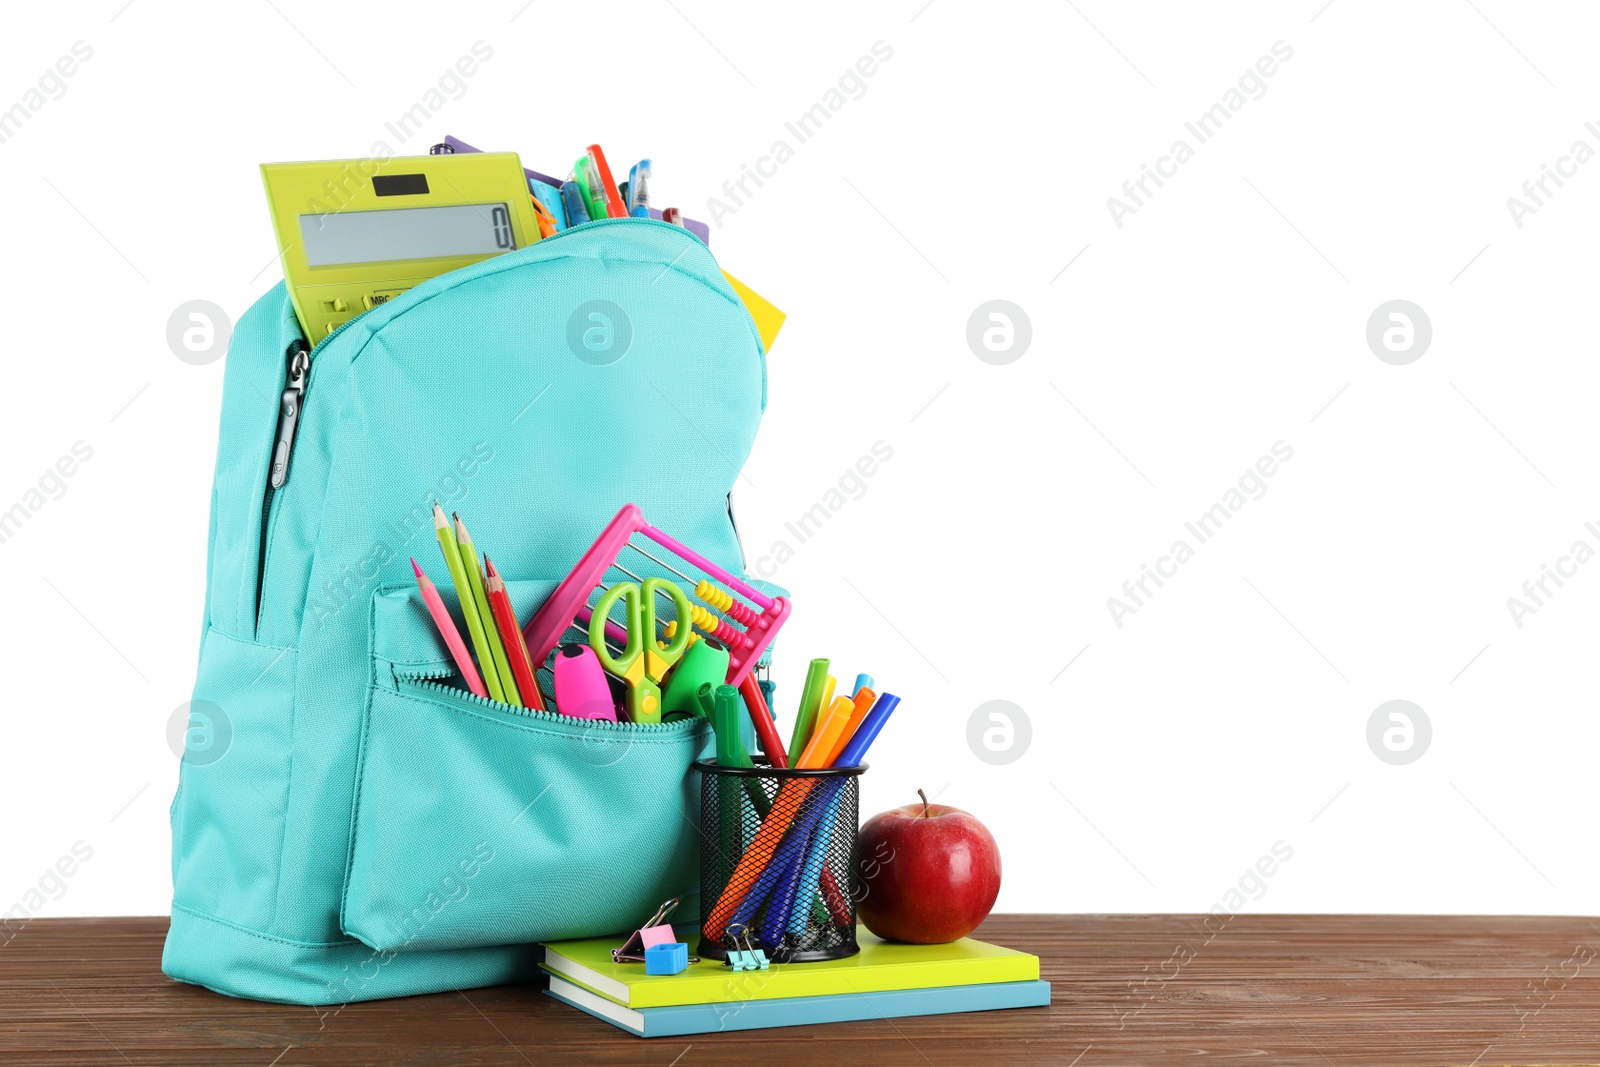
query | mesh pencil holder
[776, 872]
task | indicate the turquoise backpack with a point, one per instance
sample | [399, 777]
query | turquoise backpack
[348, 825]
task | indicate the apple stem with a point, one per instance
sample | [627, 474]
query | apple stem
[924, 797]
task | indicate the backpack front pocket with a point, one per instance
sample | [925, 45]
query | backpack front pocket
[477, 823]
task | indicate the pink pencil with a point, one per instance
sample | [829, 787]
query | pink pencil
[447, 630]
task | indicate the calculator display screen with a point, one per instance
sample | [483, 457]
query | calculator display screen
[342, 237]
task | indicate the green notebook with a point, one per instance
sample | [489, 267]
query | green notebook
[880, 966]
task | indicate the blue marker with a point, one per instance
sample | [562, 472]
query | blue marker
[863, 681]
[572, 200]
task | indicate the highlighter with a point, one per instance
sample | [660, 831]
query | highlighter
[600, 172]
[706, 661]
[581, 689]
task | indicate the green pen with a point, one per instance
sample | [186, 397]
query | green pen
[469, 604]
[810, 704]
[499, 663]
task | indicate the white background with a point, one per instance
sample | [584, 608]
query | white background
[1227, 314]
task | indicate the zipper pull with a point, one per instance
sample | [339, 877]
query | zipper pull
[289, 412]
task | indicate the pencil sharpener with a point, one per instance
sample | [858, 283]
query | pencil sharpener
[670, 958]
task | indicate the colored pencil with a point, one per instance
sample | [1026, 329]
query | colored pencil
[469, 603]
[448, 631]
[505, 618]
[498, 662]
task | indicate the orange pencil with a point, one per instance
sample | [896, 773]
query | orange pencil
[505, 620]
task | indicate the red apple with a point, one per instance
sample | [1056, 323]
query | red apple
[929, 873]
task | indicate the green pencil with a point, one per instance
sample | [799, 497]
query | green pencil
[501, 663]
[469, 605]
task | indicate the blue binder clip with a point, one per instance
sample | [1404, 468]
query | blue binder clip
[745, 957]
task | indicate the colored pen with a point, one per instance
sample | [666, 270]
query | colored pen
[863, 681]
[826, 701]
[593, 198]
[863, 701]
[810, 704]
[639, 189]
[830, 725]
[448, 631]
[572, 200]
[469, 603]
[505, 620]
[498, 662]
[608, 186]
[672, 215]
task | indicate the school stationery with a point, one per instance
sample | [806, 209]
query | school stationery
[810, 704]
[581, 689]
[643, 662]
[448, 631]
[356, 233]
[510, 634]
[694, 226]
[548, 196]
[830, 727]
[879, 966]
[743, 954]
[666, 959]
[745, 623]
[572, 200]
[469, 603]
[759, 870]
[739, 1013]
[655, 931]
[861, 704]
[639, 189]
[601, 173]
[863, 681]
[706, 662]
[498, 662]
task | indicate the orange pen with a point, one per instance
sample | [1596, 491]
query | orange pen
[864, 700]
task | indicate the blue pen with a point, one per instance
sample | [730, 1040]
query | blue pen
[639, 189]
[816, 855]
[572, 200]
[863, 681]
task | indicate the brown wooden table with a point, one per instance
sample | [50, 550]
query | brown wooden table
[1271, 991]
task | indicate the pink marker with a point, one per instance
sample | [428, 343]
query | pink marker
[581, 689]
[447, 630]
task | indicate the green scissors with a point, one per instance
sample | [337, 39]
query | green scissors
[644, 661]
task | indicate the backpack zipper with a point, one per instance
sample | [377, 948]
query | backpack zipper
[426, 681]
[290, 403]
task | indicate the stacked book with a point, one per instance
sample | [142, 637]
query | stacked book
[885, 980]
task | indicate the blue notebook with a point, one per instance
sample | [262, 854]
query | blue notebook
[678, 1020]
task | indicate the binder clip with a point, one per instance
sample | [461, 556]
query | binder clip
[654, 932]
[745, 957]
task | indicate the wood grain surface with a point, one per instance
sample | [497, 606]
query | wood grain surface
[1153, 990]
